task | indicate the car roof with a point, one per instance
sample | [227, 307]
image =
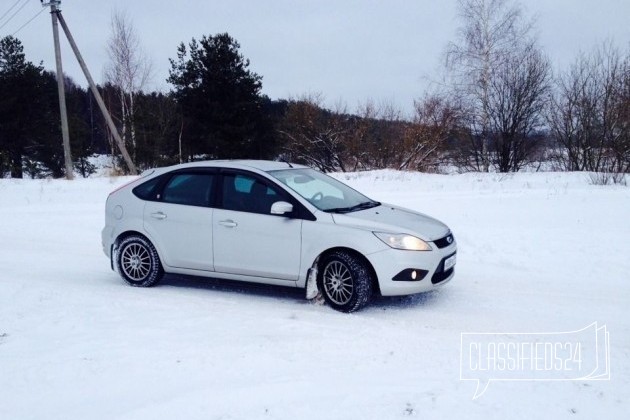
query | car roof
[262, 165]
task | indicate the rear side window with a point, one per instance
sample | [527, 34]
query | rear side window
[148, 190]
[190, 189]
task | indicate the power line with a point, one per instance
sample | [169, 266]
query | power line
[29, 21]
[10, 8]
[13, 15]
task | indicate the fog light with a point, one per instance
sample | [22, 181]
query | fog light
[411, 274]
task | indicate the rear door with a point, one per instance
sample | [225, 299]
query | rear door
[247, 238]
[180, 221]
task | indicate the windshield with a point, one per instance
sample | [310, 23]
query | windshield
[322, 191]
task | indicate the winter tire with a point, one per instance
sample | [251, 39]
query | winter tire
[138, 262]
[345, 281]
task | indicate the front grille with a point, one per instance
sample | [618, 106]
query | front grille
[445, 241]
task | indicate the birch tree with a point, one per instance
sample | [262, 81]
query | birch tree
[491, 33]
[129, 70]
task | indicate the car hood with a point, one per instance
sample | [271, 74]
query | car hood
[393, 219]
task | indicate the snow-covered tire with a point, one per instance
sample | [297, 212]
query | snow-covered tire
[345, 281]
[137, 261]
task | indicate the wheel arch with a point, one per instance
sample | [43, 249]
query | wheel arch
[123, 235]
[320, 257]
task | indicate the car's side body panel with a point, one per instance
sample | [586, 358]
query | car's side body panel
[182, 234]
[325, 234]
[255, 244]
[123, 213]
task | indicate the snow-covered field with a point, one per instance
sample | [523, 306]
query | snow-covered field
[537, 252]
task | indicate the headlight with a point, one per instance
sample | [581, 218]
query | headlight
[403, 241]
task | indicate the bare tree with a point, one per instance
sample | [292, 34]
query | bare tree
[378, 132]
[377, 137]
[314, 135]
[435, 121]
[362, 128]
[129, 70]
[621, 146]
[590, 117]
[492, 32]
[518, 98]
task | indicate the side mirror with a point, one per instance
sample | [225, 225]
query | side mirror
[281, 207]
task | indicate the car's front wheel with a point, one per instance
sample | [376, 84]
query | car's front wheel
[138, 262]
[345, 281]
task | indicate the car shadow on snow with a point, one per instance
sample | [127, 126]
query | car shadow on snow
[292, 294]
[232, 286]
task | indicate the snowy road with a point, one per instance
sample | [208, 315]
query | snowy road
[537, 252]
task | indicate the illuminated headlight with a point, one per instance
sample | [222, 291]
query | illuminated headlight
[403, 241]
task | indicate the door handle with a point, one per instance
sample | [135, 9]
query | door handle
[228, 223]
[159, 215]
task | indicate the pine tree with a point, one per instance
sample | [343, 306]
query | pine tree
[26, 114]
[220, 100]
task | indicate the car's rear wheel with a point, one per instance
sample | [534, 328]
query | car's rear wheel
[345, 281]
[138, 262]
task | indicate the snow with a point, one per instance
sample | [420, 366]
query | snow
[537, 252]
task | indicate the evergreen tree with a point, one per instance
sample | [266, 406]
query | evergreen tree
[81, 122]
[220, 100]
[30, 134]
[157, 124]
[18, 80]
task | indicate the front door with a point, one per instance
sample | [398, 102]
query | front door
[248, 239]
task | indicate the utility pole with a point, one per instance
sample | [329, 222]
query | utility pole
[58, 17]
[99, 99]
[65, 132]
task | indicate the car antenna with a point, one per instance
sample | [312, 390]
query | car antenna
[285, 161]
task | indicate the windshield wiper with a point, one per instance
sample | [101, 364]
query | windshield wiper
[361, 206]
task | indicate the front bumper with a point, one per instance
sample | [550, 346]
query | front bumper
[389, 263]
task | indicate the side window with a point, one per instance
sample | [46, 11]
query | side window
[243, 184]
[148, 190]
[193, 189]
[246, 193]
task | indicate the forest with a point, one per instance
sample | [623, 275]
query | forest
[500, 108]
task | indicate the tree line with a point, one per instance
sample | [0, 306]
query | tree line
[500, 107]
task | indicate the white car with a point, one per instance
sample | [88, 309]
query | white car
[275, 223]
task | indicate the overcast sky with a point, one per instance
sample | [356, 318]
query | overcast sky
[347, 50]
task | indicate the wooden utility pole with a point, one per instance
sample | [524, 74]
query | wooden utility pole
[65, 132]
[57, 16]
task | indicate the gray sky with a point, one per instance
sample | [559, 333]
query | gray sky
[347, 50]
